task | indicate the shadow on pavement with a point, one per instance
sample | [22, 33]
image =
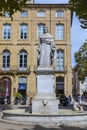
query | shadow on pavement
[38, 127]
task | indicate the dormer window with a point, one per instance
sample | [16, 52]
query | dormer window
[24, 14]
[6, 14]
[60, 14]
[41, 13]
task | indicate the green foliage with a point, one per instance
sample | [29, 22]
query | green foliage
[11, 6]
[81, 60]
[18, 95]
[61, 96]
[80, 8]
[2, 89]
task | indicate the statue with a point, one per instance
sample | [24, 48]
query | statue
[46, 49]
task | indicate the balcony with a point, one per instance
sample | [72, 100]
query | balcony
[14, 69]
[58, 69]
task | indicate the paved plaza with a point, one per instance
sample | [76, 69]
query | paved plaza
[4, 126]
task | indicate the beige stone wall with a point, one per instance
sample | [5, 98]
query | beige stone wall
[31, 44]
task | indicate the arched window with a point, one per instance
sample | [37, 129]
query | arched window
[5, 86]
[60, 60]
[6, 60]
[59, 85]
[23, 60]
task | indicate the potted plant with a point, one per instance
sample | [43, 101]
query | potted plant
[18, 97]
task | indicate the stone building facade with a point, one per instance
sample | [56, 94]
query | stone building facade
[79, 88]
[19, 42]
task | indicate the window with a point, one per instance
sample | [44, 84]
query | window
[6, 14]
[40, 29]
[24, 13]
[23, 31]
[59, 32]
[60, 14]
[6, 60]
[23, 60]
[41, 13]
[6, 31]
[60, 60]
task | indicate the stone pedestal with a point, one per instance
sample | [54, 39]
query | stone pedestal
[45, 100]
[45, 84]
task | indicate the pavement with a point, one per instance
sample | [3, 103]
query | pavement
[8, 126]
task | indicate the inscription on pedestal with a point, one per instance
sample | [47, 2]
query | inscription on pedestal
[45, 84]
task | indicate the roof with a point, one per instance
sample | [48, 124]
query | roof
[49, 5]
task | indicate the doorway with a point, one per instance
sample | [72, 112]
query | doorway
[22, 86]
[5, 87]
[59, 86]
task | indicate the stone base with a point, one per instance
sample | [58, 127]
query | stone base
[45, 106]
[45, 100]
[45, 96]
[45, 84]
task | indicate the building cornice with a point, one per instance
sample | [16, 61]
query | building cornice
[69, 6]
[49, 5]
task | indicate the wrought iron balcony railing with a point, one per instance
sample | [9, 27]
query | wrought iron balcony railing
[56, 69]
[14, 69]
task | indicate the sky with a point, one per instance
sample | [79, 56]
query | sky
[78, 35]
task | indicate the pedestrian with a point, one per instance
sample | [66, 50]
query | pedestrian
[31, 101]
[77, 107]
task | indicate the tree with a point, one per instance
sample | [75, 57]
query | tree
[80, 8]
[81, 60]
[11, 6]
